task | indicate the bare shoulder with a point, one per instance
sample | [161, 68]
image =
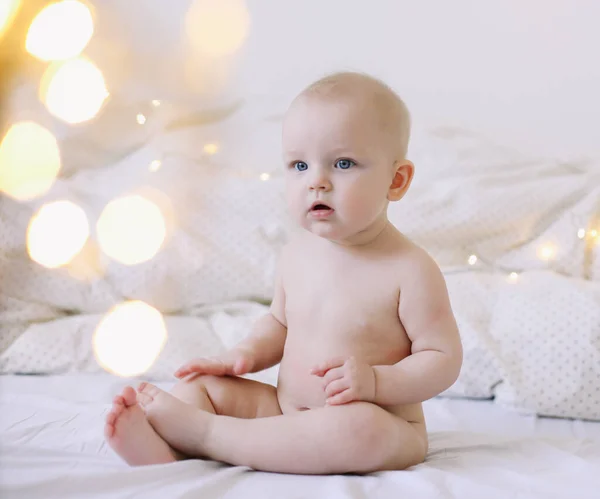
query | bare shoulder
[424, 306]
[417, 264]
[284, 266]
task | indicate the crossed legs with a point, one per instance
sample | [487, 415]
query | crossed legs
[239, 421]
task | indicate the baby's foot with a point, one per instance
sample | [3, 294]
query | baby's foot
[183, 426]
[130, 435]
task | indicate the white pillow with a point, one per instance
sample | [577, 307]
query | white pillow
[66, 345]
[547, 332]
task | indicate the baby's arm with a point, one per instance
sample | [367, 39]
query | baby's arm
[261, 349]
[436, 352]
[265, 342]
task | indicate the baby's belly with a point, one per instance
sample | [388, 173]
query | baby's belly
[299, 390]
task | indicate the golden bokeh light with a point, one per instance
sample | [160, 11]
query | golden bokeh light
[129, 338]
[60, 31]
[56, 233]
[131, 229]
[73, 91]
[546, 252]
[8, 11]
[29, 161]
[217, 28]
[155, 165]
[211, 149]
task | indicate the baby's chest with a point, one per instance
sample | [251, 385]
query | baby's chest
[364, 298]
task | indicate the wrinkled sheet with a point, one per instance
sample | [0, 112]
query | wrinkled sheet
[52, 446]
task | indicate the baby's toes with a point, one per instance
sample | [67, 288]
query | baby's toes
[146, 393]
[129, 396]
[111, 419]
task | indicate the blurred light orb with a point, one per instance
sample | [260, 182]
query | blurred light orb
[217, 28]
[131, 229]
[60, 31]
[546, 252]
[155, 165]
[29, 161]
[211, 149]
[57, 233]
[8, 11]
[74, 90]
[129, 338]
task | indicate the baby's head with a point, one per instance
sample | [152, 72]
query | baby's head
[344, 143]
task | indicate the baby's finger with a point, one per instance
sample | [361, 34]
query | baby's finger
[335, 387]
[341, 398]
[201, 366]
[333, 374]
[322, 368]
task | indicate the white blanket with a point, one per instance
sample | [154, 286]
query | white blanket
[52, 446]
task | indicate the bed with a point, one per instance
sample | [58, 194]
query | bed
[505, 198]
[52, 446]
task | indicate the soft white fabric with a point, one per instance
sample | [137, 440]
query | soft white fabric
[52, 447]
[226, 226]
[66, 345]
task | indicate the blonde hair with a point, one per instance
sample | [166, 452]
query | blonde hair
[390, 108]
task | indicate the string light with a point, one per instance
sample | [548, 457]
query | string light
[264, 177]
[8, 11]
[156, 103]
[60, 31]
[472, 260]
[211, 149]
[74, 90]
[513, 277]
[593, 233]
[547, 252]
[155, 165]
[217, 29]
[581, 233]
[56, 233]
[131, 229]
[140, 118]
[29, 161]
[129, 338]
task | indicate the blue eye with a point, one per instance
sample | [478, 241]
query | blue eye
[344, 164]
[300, 166]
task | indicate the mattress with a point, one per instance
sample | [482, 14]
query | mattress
[52, 446]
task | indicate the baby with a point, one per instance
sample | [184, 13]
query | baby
[360, 321]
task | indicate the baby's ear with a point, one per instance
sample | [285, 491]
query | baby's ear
[405, 171]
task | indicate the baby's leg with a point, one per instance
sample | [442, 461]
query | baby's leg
[357, 437]
[228, 395]
[132, 437]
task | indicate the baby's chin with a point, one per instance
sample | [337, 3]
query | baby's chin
[330, 231]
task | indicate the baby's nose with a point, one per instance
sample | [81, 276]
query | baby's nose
[320, 182]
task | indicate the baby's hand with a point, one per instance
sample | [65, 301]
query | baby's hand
[346, 380]
[232, 363]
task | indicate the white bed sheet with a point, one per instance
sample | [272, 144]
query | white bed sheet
[52, 446]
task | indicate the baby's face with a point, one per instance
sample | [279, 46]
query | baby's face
[335, 154]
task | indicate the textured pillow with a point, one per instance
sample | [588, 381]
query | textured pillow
[225, 217]
[548, 346]
[66, 345]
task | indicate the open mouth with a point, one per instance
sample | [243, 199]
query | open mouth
[320, 210]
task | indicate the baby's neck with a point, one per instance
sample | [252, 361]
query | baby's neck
[372, 236]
